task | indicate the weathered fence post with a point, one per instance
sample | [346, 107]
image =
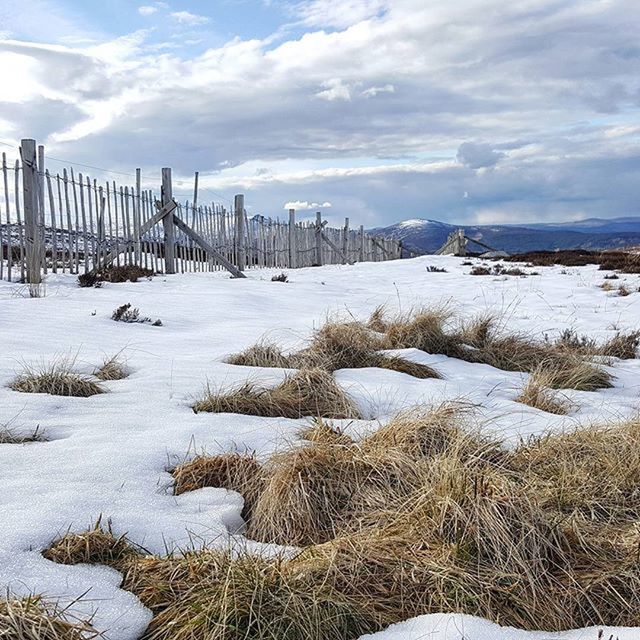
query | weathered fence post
[30, 205]
[137, 221]
[293, 249]
[361, 243]
[167, 223]
[239, 234]
[345, 241]
[318, 239]
[40, 220]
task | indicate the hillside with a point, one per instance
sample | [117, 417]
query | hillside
[427, 236]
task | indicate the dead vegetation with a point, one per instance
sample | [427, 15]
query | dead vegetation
[233, 471]
[336, 345]
[310, 392]
[113, 368]
[32, 618]
[113, 273]
[125, 313]
[11, 436]
[58, 379]
[537, 393]
[96, 546]
[622, 261]
[423, 516]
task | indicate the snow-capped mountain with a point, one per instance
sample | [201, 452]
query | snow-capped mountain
[426, 236]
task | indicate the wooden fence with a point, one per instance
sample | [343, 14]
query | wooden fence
[71, 223]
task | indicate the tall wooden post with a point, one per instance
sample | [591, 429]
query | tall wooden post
[239, 235]
[137, 221]
[361, 243]
[30, 205]
[293, 249]
[345, 242]
[318, 239]
[167, 223]
[40, 219]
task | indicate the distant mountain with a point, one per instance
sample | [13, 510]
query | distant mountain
[427, 236]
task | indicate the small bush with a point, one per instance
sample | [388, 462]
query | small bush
[480, 270]
[57, 379]
[434, 269]
[33, 619]
[125, 313]
[306, 393]
[112, 273]
[282, 277]
[623, 291]
[263, 354]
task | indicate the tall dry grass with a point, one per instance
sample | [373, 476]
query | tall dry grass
[425, 515]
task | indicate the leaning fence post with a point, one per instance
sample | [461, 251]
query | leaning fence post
[239, 231]
[318, 239]
[292, 239]
[361, 243]
[30, 206]
[167, 223]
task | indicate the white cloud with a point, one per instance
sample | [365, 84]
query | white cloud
[303, 205]
[147, 10]
[335, 89]
[372, 92]
[188, 18]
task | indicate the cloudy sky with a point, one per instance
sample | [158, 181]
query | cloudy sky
[464, 111]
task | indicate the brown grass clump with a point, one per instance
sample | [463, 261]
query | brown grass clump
[321, 431]
[216, 595]
[310, 493]
[9, 436]
[33, 619]
[263, 354]
[378, 320]
[95, 546]
[424, 330]
[233, 471]
[112, 369]
[537, 394]
[335, 346]
[591, 470]
[57, 379]
[423, 516]
[622, 345]
[306, 393]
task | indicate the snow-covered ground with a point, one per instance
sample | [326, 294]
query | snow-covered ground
[108, 455]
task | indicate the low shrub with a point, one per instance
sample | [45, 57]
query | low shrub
[125, 313]
[281, 277]
[113, 273]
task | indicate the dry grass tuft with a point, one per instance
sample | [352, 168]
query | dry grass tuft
[233, 471]
[537, 394]
[95, 546]
[217, 595]
[335, 346]
[263, 354]
[423, 329]
[112, 369]
[310, 392]
[322, 432]
[33, 619]
[58, 379]
[9, 436]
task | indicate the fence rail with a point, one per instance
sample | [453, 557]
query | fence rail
[72, 223]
